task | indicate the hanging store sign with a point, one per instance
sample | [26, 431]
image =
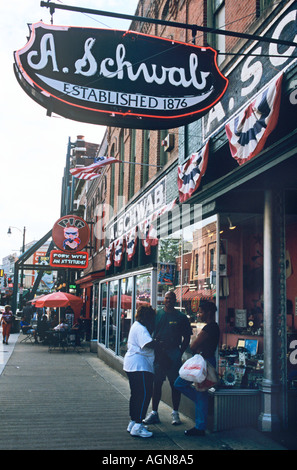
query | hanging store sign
[71, 233]
[61, 259]
[118, 78]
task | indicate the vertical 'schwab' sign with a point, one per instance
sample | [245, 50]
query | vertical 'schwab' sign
[118, 78]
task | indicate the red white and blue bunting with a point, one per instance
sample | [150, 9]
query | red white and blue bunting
[131, 243]
[119, 248]
[109, 256]
[128, 242]
[190, 173]
[248, 131]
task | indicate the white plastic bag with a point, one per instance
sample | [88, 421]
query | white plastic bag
[211, 380]
[194, 369]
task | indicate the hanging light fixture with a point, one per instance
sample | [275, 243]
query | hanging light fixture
[231, 226]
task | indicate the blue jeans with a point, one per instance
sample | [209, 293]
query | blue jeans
[199, 398]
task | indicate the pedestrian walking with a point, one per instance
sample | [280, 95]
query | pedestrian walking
[7, 319]
[205, 344]
[172, 333]
[139, 367]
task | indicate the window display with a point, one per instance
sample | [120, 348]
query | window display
[113, 314]
[241, 301]
[126, 312]
[119, 299]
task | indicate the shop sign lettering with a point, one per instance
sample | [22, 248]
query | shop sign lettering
[251, 73]
[71, 233]
[140, 211]
[61, 259]
[118, 78]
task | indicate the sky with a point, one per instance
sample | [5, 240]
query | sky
[34, 146]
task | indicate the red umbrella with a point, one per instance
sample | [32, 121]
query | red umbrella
[59, 299]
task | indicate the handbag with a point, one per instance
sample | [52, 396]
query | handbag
[212, 378]
[194, 369]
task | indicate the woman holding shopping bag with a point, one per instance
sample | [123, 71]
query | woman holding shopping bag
[205, 344]
[139, 367]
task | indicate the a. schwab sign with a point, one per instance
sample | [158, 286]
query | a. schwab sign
[118, 78]
[253, 71]
[144, 208]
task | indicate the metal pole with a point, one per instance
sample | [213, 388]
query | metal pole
[193, 27]
[268, 419]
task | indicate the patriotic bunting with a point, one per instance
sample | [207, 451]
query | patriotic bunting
[109, 256]
[148, 233]
[93, 171]
[248, 131]
[190, 173]
[131, 242]
[119, 247]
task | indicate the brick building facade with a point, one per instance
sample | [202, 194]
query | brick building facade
[237, 228]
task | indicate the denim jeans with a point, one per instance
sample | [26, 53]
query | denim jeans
[199, 398]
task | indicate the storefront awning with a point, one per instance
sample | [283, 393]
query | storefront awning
[87, 281]
[180, 292]
[200, 294]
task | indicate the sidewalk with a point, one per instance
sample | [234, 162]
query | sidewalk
[74, 401]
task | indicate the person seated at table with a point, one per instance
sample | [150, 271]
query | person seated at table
[27, 328]
[78, 330]
[62, 326]
[42, 328]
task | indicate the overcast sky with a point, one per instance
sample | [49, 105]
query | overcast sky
[33, 146]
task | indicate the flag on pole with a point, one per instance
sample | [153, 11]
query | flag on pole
[190, 173]
[249, 130]
[93, 171]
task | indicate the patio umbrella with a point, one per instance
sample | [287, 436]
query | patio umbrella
[59, 299]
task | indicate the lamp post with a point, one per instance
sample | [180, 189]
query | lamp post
[23, 250]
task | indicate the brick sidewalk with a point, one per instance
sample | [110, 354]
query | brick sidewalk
[71, 401]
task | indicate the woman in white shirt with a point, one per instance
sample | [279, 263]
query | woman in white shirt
[139, 366]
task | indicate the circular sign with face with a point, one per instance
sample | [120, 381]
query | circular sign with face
[71, 233]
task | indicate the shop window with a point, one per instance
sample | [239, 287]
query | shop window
[94, 330]
[112, 178]
[132, 160]
[163, 153]
[127, 307]
[179, 270]
[291, 303]
[121, 173]
[103, 313]
[119, 299]
[113, 315]
[145, 157]
[143, 289]
[241, 359]
[216, 19]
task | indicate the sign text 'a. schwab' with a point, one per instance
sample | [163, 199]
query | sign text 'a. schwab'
[118, 78]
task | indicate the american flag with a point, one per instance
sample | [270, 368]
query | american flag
[93, 171]
[248, 131]
[190, 173]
